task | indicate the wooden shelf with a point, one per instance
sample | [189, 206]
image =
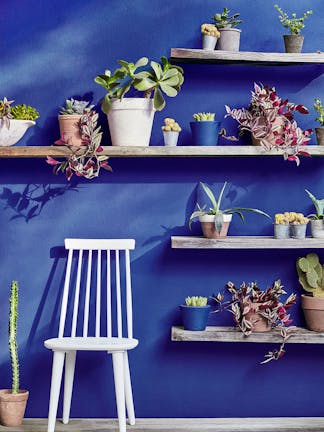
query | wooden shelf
[153, 151]
[233, 334]
[185, 55]
[245, 242]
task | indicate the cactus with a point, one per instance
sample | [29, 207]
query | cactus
[170, 125]
[209, 30]
[196, 301]
[13, 336]
[311, 274]
[75, 107]
[291, 218]
[205, 116]
[24, 112]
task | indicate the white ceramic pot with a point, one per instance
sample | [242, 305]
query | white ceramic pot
[130, 121]
[17, 129]
[170, 138]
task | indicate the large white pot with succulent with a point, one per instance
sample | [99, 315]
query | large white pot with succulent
[130, 119]
[14, 121]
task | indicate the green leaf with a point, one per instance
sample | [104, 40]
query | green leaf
[194, 215]
[144, 84]
[159, 102]
[101, 81]
[172, 81]
[143, 74]
[157, 69]
[318, 204]
[210, 195]
[219, 221]
[221, 196]
[239, 214]
[141, 62]
[106, 104]
[251, 210]
[170, 73]
[168, 90]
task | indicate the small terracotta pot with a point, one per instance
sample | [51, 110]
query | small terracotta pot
[12, 407]
[69, 127]
[209, 229]
[293, 43]
[313, 308]
[320, 135]
[259, 323]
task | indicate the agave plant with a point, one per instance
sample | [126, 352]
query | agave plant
[319, 206]
[161, 78]
[215, 208]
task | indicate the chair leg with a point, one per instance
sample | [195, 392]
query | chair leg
[128, 391]
[118, 367]
[57, 371]
[68, 384]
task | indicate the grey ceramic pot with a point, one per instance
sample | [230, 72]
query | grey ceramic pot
[320, 135]
[293, 43]
[208, 42]
[298, 231]
[281, 231]
[229, 39]
[317, 228]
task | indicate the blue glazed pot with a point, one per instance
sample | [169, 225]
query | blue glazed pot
[205, 133]
[194, 317]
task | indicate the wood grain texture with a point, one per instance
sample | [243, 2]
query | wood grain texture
[233, 334]
[241, 57]
[245, 242]
[264, 424]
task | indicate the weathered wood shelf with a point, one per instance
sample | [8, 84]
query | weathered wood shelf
[232, 334]
[245, 242]
[153, 151]
[186, 55]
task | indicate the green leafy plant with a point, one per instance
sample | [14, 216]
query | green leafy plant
[196, 301]
[5, 111]
[215, 208]
[73, 106]
[318, 106]
[225, 20]
[204, 116]
[319, 206]
[294, 24]
[311, 274]
[160, 78]
[13, 316]
[24, 112]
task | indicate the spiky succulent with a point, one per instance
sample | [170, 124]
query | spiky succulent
[73, 107]
[204, 116]
[196, 301]
[24, 112]
[5, 111]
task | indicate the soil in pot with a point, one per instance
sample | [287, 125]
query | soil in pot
[229, 39]
[313, 308]
[205, 133]
[194, 317]
[70, 129]
[320, 135]
[260, 324]
[317, 228]
[12, 407]
[208, 226]
[293, 43]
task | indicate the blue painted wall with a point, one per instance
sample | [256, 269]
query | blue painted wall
[51, 51]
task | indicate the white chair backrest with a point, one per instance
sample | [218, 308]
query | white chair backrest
[91, 253]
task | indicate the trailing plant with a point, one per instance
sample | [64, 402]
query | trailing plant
[75, 107]
[170, 125]
[160, 78]
[204, 116]
[24, 112]
[13, 316]
[209, 30]
[291, 218]
[319, 206]
[294, 24]
[248, 299]
[270, 119]
[83, 162]
[215, 208]
[196, 301]
[225, 20]
[318, 106]
[311, 274]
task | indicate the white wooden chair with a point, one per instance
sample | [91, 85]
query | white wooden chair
[64, 348]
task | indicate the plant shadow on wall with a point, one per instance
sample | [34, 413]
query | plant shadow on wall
[29, 203]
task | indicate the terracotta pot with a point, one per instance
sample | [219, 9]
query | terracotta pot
[317, 228]
[271, 138]
[313, 308]
[229, 39]
[209, 229]
[320, 135]
[12, 407]
[69, 127]
[293, 43]
[259, 323]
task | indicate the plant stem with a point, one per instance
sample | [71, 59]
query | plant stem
[147, 93]
[13, 336]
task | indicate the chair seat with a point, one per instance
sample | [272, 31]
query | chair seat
[91, 344]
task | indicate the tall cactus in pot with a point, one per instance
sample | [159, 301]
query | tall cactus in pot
[13, 336]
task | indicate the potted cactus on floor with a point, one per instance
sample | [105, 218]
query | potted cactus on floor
[229, 39]
[318, 106]
[195, 313]
[205, 129]
[317, 219]
[311, 277]
[13, 402]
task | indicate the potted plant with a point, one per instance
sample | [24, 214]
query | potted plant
[195, 313]
[210, 35]
[229, 39]
[317, 219]
[255, 310]
[270, 120]
[130, 119]
[171, 130]
[14, 121]
[290, 225]
[214, 221]
[281, 226]
[205, 129]
[318, 106]
[13, 402]
[85, 161]
[294, 41]
[311, 277]
[69, 120]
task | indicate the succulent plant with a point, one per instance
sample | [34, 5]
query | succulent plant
[294, 24]
[170, 125]
[318, 204]
[5, 111]
[209, 30]
[204, 116]
[311, 274]
[225, 20]
[24, 112]
[13, 315]
[318, 106]
[195, 301]
[292, 218]
[75, 107]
